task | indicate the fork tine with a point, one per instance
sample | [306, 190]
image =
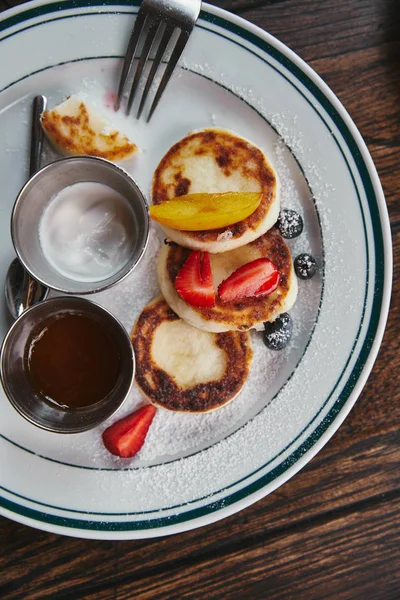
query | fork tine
[176, 53]
[151, 34]
[166, 36]
[130, 55]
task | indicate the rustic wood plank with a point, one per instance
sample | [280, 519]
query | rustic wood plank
[339, 481]
[328, 28]
[372, 99]
[355, 48]
[243, 6]
[353, 554]
[4, 4]
[332, 531]
[324, 560]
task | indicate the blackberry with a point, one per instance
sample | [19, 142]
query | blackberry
[305, 266]
[277, 335]
[290, 223]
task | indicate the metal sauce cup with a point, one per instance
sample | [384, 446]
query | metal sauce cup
[38, 192]
[33, 405]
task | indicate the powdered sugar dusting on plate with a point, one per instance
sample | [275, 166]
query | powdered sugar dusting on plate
[176, 435]
[281, 406]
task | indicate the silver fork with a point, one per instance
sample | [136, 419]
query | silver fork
[156, 19]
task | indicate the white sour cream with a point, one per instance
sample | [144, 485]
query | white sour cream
[87, 231]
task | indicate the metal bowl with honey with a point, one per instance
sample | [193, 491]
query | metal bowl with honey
[67, 364]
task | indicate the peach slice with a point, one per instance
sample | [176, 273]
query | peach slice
[201, 212]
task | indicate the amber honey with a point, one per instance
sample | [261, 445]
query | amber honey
[73, 361]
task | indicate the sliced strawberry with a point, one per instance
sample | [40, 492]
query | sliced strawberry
[269, 286]
[194, 281]
[257, 278]
[125, 437]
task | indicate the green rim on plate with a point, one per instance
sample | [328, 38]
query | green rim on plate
[235, 29]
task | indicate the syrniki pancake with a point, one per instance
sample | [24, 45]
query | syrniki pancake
[243, 314]
[74, 127]
[212, 161]
[181, 368]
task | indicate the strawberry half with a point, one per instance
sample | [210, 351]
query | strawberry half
[257, 278]
[125, 437]
[194, 281]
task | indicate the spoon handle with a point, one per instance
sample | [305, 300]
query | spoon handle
[39, 105]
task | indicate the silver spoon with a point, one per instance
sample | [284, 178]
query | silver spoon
[21, 290]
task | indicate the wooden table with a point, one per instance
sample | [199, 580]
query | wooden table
[333, 530]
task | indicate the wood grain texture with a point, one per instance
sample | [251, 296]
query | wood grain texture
[355, 47]
[369, 468]
[333, 530]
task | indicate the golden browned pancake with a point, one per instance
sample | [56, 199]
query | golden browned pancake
[242, 314]
[74, 127]
[213, 160]
[181, 368]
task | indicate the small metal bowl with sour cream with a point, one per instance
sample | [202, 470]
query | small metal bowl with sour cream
[80, 225]
[63, 364]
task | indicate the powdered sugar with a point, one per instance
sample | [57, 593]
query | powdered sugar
[225, 235]
[175, 435]
[307, 392]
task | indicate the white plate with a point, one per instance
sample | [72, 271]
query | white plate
[195, 469]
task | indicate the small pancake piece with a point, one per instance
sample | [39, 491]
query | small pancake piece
[247, 313]
[74, 127]
[212, 161]
[181, 368]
